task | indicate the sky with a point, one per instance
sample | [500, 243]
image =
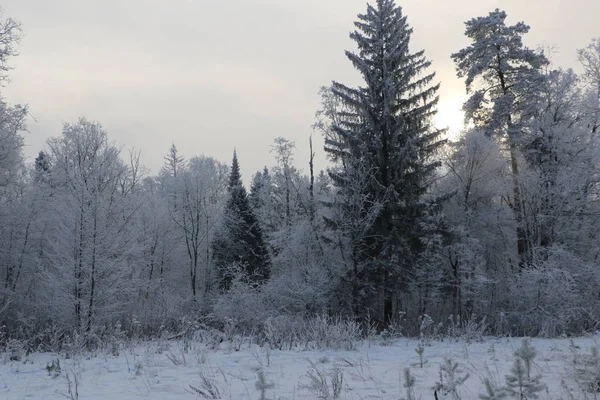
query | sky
[211, 76]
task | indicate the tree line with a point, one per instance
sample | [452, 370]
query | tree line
[498, 225]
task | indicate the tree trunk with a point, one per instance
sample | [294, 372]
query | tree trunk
[79, 268]
[312, 179]
[93, 274]
[381, 302]
[522, 240]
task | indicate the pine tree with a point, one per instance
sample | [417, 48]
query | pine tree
[239, 242]
[492, 392]
[520, 384]
[502, 106]
[384, 132]
[452, 375]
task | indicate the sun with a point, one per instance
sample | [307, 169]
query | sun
[450, 115]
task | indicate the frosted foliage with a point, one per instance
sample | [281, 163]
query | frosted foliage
[509, 71]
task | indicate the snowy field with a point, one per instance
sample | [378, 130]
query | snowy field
[168, 370]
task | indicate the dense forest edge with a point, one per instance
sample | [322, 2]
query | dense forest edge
[407, 232]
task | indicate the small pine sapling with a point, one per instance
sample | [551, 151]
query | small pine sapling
[451, 377]
[575, 351]
[425, 333]
[262, 385]
[492, 351]
[492, 392]
[519, 385]
[526, 353]
[54, 368]
[409, 385]
[420, 350]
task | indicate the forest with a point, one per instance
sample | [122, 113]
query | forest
[497, 229]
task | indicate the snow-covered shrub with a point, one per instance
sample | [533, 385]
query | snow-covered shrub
[301, 281]
[587, 371]
[555, 297]
[15, 350]
[243, 306]
[470, 330]
[283, 332]
[207, 388]
[114, 339]
[326, 385]
[318, 332]
[428, 329]
[74, 345]
[325, 332]
[51, 338]
[393, 331]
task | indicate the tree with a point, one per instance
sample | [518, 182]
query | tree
[283, 176]
[14, 230]
[173, 162]
[41, 167]
[88, 275]
[384, 131]
[199, 192]
[590, 60]
[511, 75]
[261, 200]
[238, 246]
[10, 36]
[478, 218]
[158, 243]
[12, 123]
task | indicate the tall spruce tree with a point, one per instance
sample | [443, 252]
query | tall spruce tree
[384, 133]
[239, 245]
[504, 103]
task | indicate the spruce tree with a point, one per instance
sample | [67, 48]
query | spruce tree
[42, 167]
[239, 245]
[261, 200]
[174, 163]
[384, 133]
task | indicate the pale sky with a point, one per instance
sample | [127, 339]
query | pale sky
[213, 75]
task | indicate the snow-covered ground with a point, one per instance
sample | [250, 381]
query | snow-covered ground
[169, 370]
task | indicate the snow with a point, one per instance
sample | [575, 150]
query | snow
[161, 370]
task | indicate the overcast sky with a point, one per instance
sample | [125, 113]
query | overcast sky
[213, 75]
